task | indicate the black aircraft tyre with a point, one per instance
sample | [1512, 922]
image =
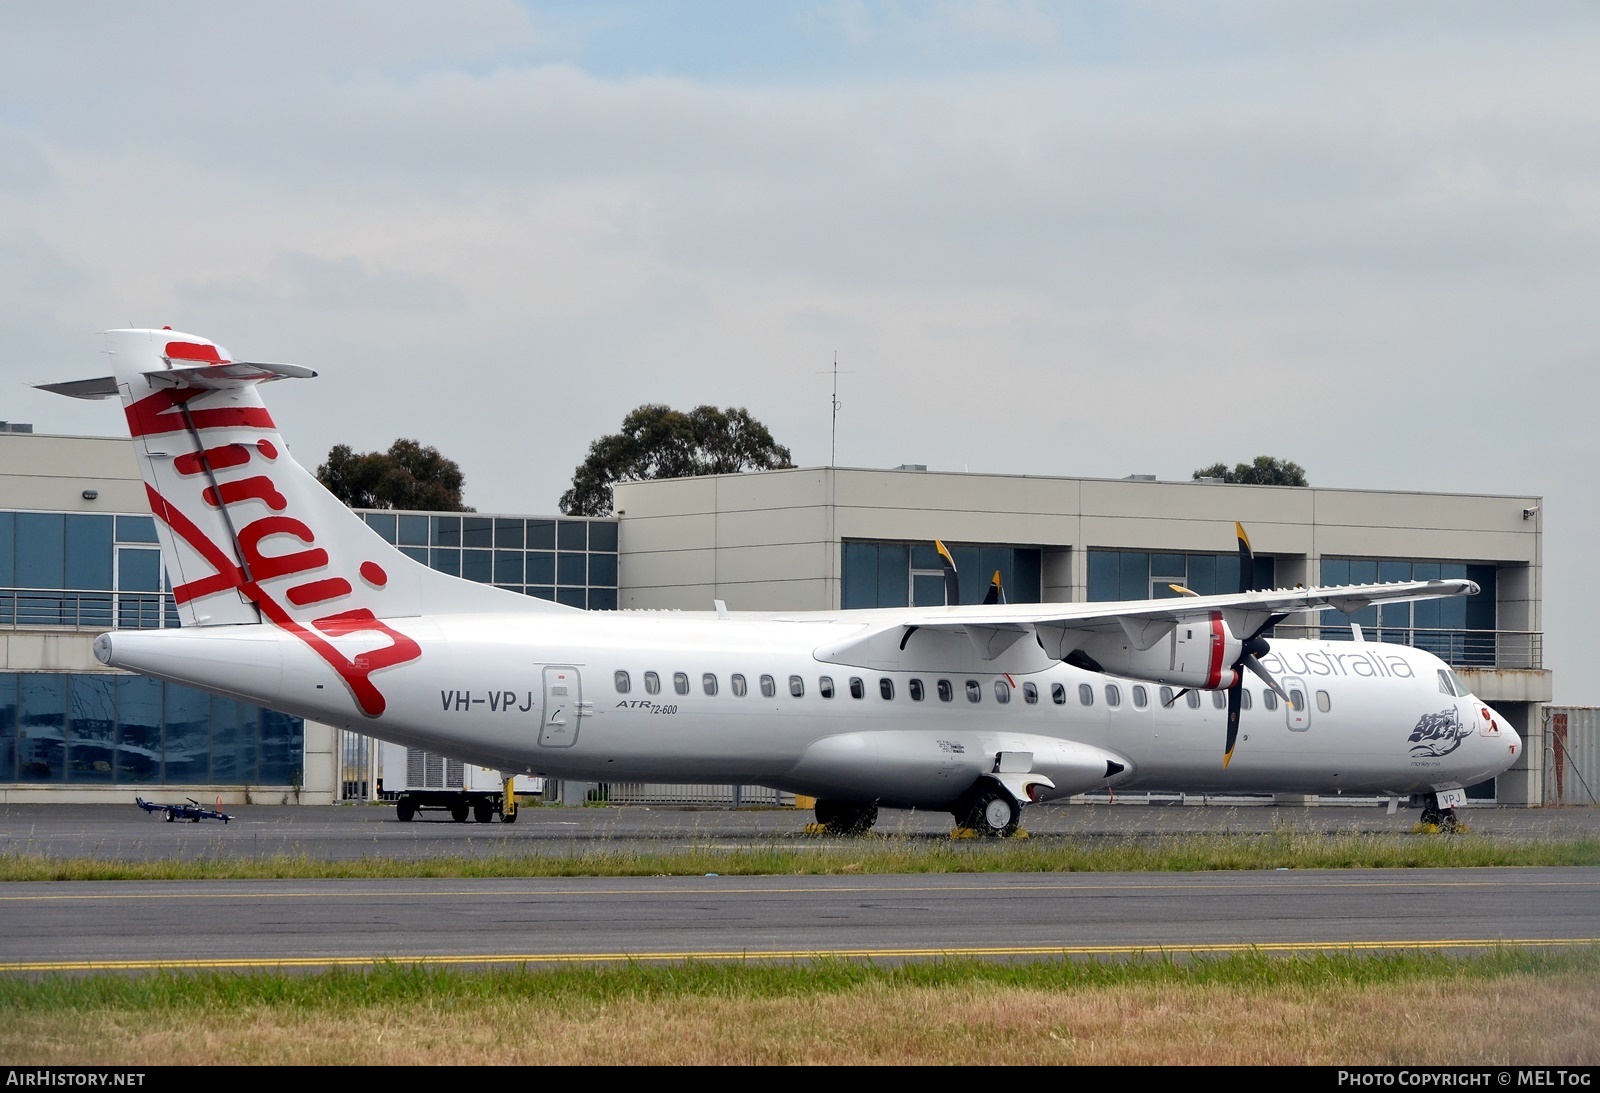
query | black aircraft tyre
[846, 818]
[509, 817]
[993, 815]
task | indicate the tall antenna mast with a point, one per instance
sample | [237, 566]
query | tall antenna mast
[833, 438]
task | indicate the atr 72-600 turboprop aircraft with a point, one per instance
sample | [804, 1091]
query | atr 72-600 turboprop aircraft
[289, 601]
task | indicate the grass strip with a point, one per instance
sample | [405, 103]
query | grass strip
[1285, 849]
[390, 984]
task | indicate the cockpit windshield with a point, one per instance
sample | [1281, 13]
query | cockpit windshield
[1462, 690]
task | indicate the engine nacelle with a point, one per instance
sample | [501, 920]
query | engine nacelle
[1199, 654]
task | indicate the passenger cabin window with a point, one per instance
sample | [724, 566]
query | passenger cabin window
[1324, 703]
[1219, 699]
[736, 681]
[623, 682]
[1002, 691]
[1058, 694]
[1030, 694]
[1166, 698]
[797, 686]
[886, 688]
[1141, 697]
[1244, 698]
[858, 689]
[652, 683]
[947, 693]
[1297, 700]
[1269, 699]
[825, 686]
[1113, 695]
[769, 686]
[709, 683]
[915, 687]
[974, 691]
[1194, 700]
[1085, 695]
[680, 682]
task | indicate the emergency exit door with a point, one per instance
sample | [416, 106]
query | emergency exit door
[563, 706]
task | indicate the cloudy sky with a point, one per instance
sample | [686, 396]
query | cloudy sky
[1076, 238]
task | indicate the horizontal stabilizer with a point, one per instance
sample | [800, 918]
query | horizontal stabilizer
[100, 387]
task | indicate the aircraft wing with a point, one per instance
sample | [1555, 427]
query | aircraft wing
[1060, 628]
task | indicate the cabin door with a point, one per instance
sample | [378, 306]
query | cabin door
[563, 706]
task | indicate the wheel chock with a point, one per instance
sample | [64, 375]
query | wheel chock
[963, 833]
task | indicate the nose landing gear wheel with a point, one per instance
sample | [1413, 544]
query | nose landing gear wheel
[993, 815]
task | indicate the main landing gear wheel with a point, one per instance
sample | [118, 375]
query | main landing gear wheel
[404, 811]
[841, 818]
[509, 817]
[483, 812]
[458, 813]
[993, 815]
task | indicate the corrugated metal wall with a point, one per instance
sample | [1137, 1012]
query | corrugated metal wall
[1572, 755]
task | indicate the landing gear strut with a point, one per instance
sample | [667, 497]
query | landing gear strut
[1436, 818]
[992, 814]
[846, 818]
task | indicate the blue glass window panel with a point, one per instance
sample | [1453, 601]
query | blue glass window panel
[858, 585]
[541, 567]
[992, 560]
[91, 728]
[924, 556]
[927, 590]
[1335, 571]
[1453, 612]
[446, 561]
[602, 535]
[508, 567]
[541, 592]
[1227, 575]
[478, 565]
[138, 759]
[386, 524]
[969, 565]
[1162, 589]
[1202, 576]
[1425, 571]
[572, 597]
[508, 534]
[1028, 570]
[1173, 566]
[413, 531]
[541, 534]
[477, 531]
[602, 570]
[1392, 570]
[136, 529]
[1452, 571]
[41, 549]
[41, 727]
[1481, 614]
[1135, 576]
[1394, 615]
[1366, 618]
[8, 550]
[894, 575]
[138, 569]
[572, 535]
[187, 733]
[602, 599]
[8, 727]
[1426, 614]
[282, 748]
[572, 569]
[234, 753]
[90, 609]
[88, 551]
[446, 530]
[1363, 571]
[1104, 575]
[416, 554]
[1266, 573]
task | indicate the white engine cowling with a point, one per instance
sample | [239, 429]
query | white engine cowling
[1199, 654]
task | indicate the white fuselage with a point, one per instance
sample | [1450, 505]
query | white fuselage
[542, 694]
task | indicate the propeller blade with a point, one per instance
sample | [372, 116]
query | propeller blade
[1259, 669]
[1182, 591]
[997, 592]
[952, 580]
[1235, 695]
[1169, 702]
[1247, 561]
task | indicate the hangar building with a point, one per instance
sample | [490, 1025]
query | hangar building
[78, 556]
